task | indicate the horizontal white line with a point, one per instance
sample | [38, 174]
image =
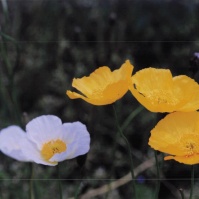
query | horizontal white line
[149, 179]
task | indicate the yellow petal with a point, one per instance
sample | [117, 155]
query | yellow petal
[151, 105]
[74, 95]
[116, 90]
[177, 134]
[189, 95]
[159, 92]
[124, 73]
[170, 129]
[153, 89]
[150, 79]
[96, 81]
[103, 86]
[186, 160]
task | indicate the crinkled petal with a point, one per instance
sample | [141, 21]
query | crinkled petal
[74, 95]
[175, 125]
[43, 129]
[112, 93]
[149, 79]
[148, 104]
[10, 143]
[33, 153]
[159, 92]
[168, 132]
[77, 140]
[153, 89]
[98, 80]
[115, 91]
[189, 93]
[103, 87]
[124, 72]
[183, 159]
[177, 134]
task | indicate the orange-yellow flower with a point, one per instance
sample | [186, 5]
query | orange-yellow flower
[178, 135]
[103, 86]
[158, 91]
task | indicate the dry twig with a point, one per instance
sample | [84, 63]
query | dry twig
[114, 185]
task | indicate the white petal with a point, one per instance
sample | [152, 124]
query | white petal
[77, 140]
[73, 131]
[34, 154]
[44, 128]
[10, 142]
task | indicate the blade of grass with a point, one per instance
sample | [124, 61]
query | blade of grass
[129, 152]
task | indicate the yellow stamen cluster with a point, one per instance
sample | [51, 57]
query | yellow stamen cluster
[53, 147]
[161, 97]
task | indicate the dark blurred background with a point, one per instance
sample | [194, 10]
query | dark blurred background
[46, 43]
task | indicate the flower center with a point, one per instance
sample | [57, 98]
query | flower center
[161, 97]
[190, 148]
[53, 147]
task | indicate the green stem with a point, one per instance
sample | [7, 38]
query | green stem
[158, 176]
[192, 182]
[77, 190]
[129, 152]
[31, 191]
[125, 124]
[112, 167]
[11, 91]
[59, 182]
[131, 117]
[5, 57]
[181, 193]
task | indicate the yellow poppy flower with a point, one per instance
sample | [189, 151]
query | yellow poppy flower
[103, 86]
[158, 91]
[178, 135]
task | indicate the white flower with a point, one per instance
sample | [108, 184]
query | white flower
[47, 141]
